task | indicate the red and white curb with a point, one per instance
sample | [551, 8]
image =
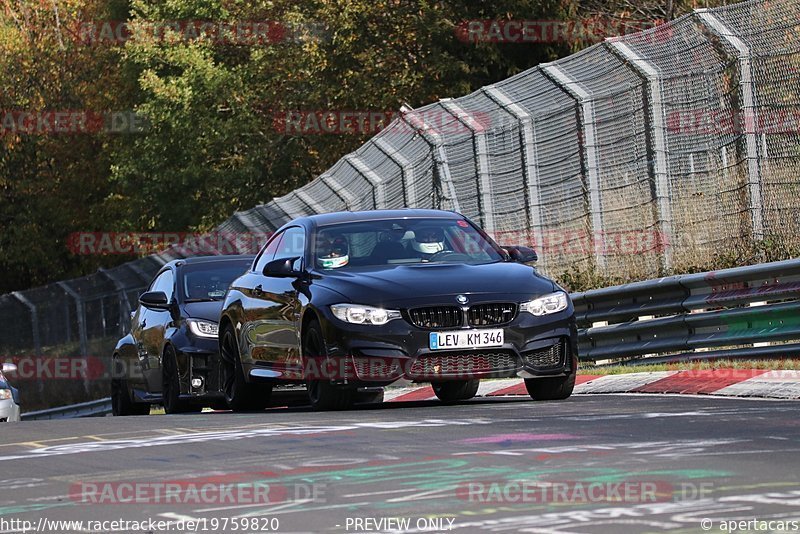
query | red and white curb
[722, 382]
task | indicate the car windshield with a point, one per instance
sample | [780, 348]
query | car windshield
[209, 281]
[401, 241]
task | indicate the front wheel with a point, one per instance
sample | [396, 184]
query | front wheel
[550, 388]
[171, 385]
[239, 395]
[456, 390]
[121, 401]
[322, 394]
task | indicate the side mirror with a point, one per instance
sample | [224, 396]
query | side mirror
[154, 299]
[282, 268]
[9, 368]
[521, 254]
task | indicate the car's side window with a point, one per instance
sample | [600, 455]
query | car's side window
[166, 283]
[269, 252]
[293, 243]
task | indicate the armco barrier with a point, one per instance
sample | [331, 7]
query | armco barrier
[745, 312]
[96, 408]
[719, 314]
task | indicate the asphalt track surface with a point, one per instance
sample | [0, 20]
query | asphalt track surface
[622, 463]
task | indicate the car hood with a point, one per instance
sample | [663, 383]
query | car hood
[210, 311]
[400, 285]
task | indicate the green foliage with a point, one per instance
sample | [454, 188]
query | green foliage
[209, 146]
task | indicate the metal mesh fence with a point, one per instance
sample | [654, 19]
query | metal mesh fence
[635, 157]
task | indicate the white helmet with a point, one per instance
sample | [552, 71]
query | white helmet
[334, 253]
[428, 240]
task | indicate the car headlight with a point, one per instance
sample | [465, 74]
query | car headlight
[203, 328]
[358, 314]
[5, 394]
[546, 304]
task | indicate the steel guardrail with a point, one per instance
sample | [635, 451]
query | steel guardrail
[95, 408]
[717, 314]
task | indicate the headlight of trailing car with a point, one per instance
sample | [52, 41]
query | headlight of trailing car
[5, 394]
[203, 328]
[546, 304]
[359, 314]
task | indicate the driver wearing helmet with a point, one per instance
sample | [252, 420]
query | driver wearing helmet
[333, 253]
[428, 241]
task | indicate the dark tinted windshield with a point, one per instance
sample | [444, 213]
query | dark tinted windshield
[210, 281]
[401, 241]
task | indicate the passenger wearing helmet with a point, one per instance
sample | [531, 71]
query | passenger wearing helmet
[428, 241]
[333, 252]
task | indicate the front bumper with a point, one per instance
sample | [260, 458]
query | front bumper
[198, 358]
[380, 355]
[9, 411]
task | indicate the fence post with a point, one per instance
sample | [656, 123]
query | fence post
[124, 305]
[485, 200]
[589, 144]
[253, 226]
[315, 206]
[747, 89]
[442, 168]
[658, 148]
[378, 193]
[79, 309]
[37, 343]
[349, 200]
[291, 213]
[530, 163]
[406, 170]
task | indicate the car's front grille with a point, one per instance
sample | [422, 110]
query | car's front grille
[546, 358]
[436, 317]
[462, 365]
[492, 314]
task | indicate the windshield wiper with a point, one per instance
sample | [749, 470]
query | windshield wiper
[189, 301]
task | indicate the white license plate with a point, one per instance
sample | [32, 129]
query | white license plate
[466, 339]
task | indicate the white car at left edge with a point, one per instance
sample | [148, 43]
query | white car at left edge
[9, 396]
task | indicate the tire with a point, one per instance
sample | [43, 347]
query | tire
[171, 387]
[554, 388]
[239, 395]
[456, 390]
[322, 394]
[121, 402]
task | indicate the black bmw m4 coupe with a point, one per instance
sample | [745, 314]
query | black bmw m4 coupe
[343, 300]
